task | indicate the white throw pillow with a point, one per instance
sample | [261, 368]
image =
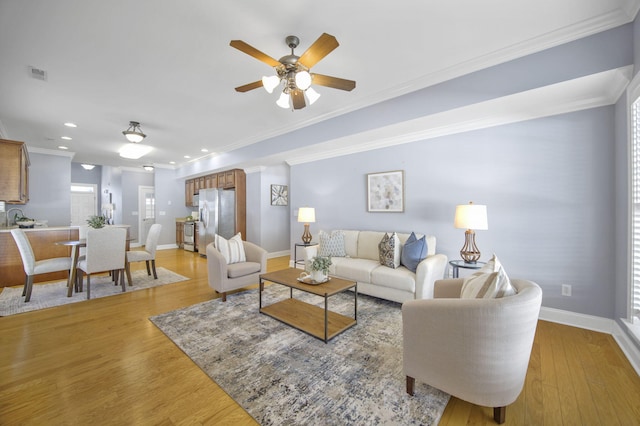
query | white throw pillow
[232, 249]
[490, 282]
[331, 245]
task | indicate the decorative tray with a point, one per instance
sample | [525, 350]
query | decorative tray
[308, 280]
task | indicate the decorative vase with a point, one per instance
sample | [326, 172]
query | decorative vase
[318, 276]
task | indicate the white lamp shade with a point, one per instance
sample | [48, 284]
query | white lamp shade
[471, 216]
[270, 82]
[312, 95]
[303, 80]
[283, 100]
[306, 214]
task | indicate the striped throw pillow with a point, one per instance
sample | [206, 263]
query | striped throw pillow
[232, 249]
[490, 282]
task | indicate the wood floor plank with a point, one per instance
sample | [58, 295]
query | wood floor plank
[103, 362]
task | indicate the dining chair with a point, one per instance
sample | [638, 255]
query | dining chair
[148, 254]
[105, 252]
[34, 267]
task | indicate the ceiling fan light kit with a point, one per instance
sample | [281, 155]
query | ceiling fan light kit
[292, 72]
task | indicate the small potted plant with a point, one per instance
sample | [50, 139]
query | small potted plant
[320, 268]
[96, 222]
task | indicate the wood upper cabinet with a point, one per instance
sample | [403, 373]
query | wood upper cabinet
[14, 179]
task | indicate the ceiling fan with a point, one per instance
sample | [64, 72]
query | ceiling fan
[293, 71]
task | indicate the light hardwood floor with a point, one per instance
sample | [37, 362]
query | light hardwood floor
[104, 362]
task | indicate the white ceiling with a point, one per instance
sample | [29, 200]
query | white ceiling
[168, 64]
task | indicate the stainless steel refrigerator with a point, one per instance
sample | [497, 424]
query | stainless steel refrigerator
[217, 209]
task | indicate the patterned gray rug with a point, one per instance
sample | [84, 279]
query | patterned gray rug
[55, 293]
[283, 376]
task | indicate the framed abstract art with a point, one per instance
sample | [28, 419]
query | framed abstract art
[385, 192]
[279, 195]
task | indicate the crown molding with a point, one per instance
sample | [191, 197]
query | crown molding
[573, 95]
[59, 153]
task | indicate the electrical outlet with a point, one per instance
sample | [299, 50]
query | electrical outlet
[566, 290]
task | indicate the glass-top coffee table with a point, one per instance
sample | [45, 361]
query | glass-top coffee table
[314, 320]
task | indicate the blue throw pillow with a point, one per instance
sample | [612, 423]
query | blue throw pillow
[413, 252]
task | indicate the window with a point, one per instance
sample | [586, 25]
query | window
[635, 199]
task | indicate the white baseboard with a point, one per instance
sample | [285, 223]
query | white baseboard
[602, 325]
[167, 246]
[278, 254]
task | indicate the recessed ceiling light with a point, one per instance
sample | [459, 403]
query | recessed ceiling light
[135, 150]
[66, 138]
[70, 124]
[204, 150]
[63, 147]
[88, 166]
[172, 162]
[187, 156]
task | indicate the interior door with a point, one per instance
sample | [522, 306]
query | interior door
[147, 211]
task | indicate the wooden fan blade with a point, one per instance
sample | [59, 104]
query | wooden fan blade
[334, 82]
[249, 86]
[297, 98]
[318, 50]
[252, 51]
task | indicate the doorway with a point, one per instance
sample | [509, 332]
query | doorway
[147, 211]
[84, 203]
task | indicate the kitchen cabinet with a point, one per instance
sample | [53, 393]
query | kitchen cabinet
[14, 179]
[236, 179]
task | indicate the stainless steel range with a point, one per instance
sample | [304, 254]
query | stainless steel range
[189, 236]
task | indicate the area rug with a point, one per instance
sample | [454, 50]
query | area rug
[282, 376]
[55, 293]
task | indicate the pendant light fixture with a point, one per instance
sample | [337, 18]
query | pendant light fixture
[134, 133]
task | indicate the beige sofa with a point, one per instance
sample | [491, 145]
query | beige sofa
[362, 264]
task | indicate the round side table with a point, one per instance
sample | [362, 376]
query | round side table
[459, 263]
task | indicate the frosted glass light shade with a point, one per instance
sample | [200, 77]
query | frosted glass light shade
[283, 100]
[312, 95]
[471, 216]
[303, 80]
[270, 82]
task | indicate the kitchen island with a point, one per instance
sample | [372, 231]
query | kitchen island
[43, 241]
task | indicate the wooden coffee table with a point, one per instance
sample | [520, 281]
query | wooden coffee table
[321, 323]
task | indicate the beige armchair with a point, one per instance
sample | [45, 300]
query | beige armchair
[224, 278]
[474, 349]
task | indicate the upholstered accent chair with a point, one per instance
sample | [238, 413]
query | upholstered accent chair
[105, 253]
[148, 254]
[225, 277]
[34, 267]
[477, 350]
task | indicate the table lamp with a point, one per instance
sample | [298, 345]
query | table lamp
[306, 215]
[470, 217]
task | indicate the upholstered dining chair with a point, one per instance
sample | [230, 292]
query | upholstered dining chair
[477, 350]
[105, 253]
[225, 277]
[34, 267]
[148, 254]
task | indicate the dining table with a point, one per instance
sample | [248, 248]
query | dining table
[75, 247]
